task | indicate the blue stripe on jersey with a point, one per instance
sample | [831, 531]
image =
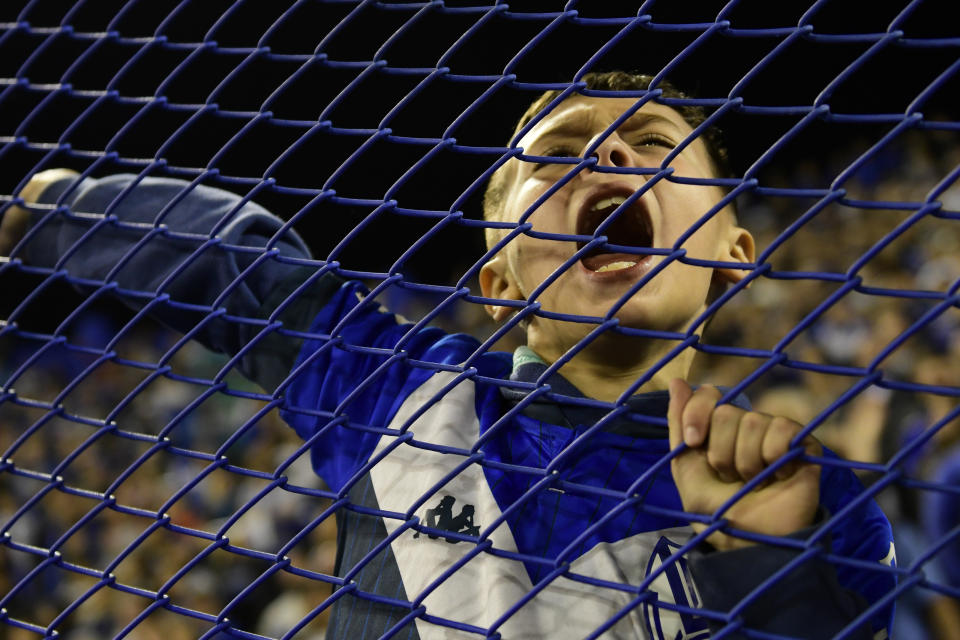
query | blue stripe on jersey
[338, 370]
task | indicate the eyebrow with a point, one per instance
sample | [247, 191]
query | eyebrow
[580, 126]
[639, 120]
[567, 127]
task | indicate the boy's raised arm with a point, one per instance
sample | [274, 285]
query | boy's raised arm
[198, 257]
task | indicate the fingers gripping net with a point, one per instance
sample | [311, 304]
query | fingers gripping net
[147, 487]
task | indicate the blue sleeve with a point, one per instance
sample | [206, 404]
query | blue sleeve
[161, 236]
[109, 229]
[351, 379]
[861, 540]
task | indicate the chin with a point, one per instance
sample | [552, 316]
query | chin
[643, 314]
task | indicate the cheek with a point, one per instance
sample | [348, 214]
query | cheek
[549, 215]
[524, 197]
[683, 204]
[526, 259]
[705, 241]
[535, 259]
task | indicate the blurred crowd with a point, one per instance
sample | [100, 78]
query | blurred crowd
[905, 423]
[150, 477]
[891, 427]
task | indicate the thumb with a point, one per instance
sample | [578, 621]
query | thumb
[13, 224]
[680, 393]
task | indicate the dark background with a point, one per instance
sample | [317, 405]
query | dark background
[63, 86]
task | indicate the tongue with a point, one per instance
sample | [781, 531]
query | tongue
[608, 259]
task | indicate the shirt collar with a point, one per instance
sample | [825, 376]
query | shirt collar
[529, 367]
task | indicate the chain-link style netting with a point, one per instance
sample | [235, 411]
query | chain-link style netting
[148, 489]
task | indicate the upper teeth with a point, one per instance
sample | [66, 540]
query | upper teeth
[616, 266]
[615, 201]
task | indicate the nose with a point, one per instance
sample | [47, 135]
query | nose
[613, 152]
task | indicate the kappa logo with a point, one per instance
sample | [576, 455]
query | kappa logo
[441, 517]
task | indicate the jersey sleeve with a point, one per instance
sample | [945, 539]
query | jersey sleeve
[862, 543]
[199, 257]
[361, 363]
[195, 254]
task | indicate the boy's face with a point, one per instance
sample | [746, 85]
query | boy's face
[672, 299]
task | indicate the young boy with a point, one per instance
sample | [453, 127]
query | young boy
[544, 493]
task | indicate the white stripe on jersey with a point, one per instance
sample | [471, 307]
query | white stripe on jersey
[487, 586]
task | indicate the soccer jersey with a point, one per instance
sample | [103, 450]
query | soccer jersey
[475, 497]
[584, 517]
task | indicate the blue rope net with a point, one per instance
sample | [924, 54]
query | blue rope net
[148, 488]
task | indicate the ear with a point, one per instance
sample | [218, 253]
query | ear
[739, 247]
[497, 281]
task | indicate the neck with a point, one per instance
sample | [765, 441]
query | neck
[612, 364]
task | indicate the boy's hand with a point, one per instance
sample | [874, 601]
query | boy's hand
[13, 224]
[16, 219]
[729, 446]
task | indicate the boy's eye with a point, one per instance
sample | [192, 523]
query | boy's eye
[560, 152]
[654, 140]
[555, 152]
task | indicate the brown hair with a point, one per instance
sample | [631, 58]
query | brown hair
[609, 81]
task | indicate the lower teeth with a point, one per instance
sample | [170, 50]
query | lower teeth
[616, 266]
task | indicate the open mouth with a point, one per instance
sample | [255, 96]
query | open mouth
[631, 228]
